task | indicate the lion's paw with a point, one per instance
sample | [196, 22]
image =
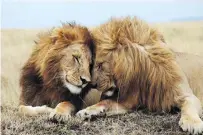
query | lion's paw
[192, 125]
[62, 112]
[60, 117]
[90, 112]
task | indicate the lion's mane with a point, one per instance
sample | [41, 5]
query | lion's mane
[40, 81]
[144, 68]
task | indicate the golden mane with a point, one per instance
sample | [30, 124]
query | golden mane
[51, 43]
[41, 79]
[143, 66]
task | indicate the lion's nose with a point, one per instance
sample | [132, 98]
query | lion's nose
[84, 80]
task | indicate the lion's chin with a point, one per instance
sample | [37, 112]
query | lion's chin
[72, 88]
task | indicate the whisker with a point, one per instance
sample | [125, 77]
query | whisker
[83, 101]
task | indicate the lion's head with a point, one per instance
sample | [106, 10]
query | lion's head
[66, 57]
[131, 58]
[114, 50]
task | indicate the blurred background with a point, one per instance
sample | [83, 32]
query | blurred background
[180, 21]
[32, 14]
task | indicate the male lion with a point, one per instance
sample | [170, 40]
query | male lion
[133, 68]
[58, 72]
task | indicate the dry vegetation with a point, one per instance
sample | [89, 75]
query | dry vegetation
[16, 47]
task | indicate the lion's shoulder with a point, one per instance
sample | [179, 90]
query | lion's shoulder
[192, 66]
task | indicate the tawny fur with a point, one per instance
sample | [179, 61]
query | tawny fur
[192, 66]
[143, 67]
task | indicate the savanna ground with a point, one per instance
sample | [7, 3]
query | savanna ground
[17, 45]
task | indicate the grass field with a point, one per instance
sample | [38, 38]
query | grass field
[17, 45]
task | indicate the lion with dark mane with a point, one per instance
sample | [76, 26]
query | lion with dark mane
[58, 72]
[134, 67]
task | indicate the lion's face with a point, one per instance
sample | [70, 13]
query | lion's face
[103, 78]
[65, 57]
[75, 67]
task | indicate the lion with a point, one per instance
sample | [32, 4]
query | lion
[57, 74]
[135, 68]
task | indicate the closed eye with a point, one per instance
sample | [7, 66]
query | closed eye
[76, 59]
[100, 66]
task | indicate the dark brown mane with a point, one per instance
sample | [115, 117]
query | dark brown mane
[40, 77]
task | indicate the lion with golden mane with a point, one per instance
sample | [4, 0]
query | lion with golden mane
[134, 68]
[58, 72]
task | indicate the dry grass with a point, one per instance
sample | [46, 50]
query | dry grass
[136, 123]
[184, 37]
[17, 46]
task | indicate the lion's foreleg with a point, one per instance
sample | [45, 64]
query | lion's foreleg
[190, 119]
[190, 110]
[33, 111]
[105, 107]
[61, 112]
